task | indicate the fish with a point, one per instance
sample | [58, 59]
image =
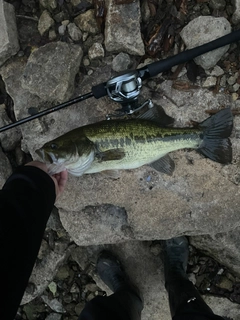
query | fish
[129, 144]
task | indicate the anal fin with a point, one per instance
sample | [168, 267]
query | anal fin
[165, 165]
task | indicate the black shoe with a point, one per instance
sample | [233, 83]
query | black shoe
[175, 257]
[111, 272]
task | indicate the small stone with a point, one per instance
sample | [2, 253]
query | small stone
[53, 288]
[236, 15]
[217, 71]
[217, 4]
[74, 288]
[192, 278]
[196, 269]
[48, 4]
[210, 82]
[79, 307]
[232, 79]
[67, 298]
[234, 96]
[223, 81]
[155, 249]
[236, 87]
[52, 34]
[74, 32]
[54, 316]
[86, 62]
[54, 304]
[62, 29]
[121, 62]
[96, 51]
[205, 10]
[202, 30]
[225, 283]
[65, 22]
[145, 12]
[91, 287]
[45, 22]
[59, 17]
[63, 273]
[90, 297]
[87, 22]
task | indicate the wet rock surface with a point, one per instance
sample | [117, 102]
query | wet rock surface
[66, 47]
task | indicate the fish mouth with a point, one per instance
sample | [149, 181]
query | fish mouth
[47, 157]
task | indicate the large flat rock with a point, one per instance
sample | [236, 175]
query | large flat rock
[146, 271]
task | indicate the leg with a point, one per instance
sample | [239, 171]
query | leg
[124, 304]
[183, 296]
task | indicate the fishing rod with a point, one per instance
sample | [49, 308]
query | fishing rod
[125, 88]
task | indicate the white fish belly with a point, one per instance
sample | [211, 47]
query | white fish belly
[139, 154]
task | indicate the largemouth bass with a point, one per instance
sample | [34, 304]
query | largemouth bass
[129, 144]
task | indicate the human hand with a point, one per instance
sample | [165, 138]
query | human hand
[59, 179]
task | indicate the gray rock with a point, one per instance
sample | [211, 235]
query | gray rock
[48, 4]
[236, 14]
[204, 29]
[54, 304]
[52, 34]
[217, 4]
[121, 62]
[6, 169]
[54, 316]
[87, 22]
[224, 247]
[223, 306]
[50, 71]
[145, 12]
[10, 138]
[231, 80]
[209, 82]
[74, 32]
[62, 29]
[96, 51]
[135, 256]
[192, 187]
[236, 86]
[44, 272]
[122, 28]
[8, 36]
[217, 71]
[45, 22]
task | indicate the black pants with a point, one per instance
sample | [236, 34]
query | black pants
[124, 305]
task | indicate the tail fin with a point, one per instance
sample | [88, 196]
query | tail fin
[216, 145]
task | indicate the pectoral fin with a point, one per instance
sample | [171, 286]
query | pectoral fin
[112, 154]
[165, 165]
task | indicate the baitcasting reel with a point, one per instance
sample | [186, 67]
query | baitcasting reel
[125, 90]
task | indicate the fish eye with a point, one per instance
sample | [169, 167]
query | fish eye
[53, 146]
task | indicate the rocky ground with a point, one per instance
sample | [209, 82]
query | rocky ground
[59, 49]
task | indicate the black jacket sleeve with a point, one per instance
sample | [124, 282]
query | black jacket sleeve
[26, 202]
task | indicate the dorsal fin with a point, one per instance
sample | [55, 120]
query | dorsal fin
[158, 115]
